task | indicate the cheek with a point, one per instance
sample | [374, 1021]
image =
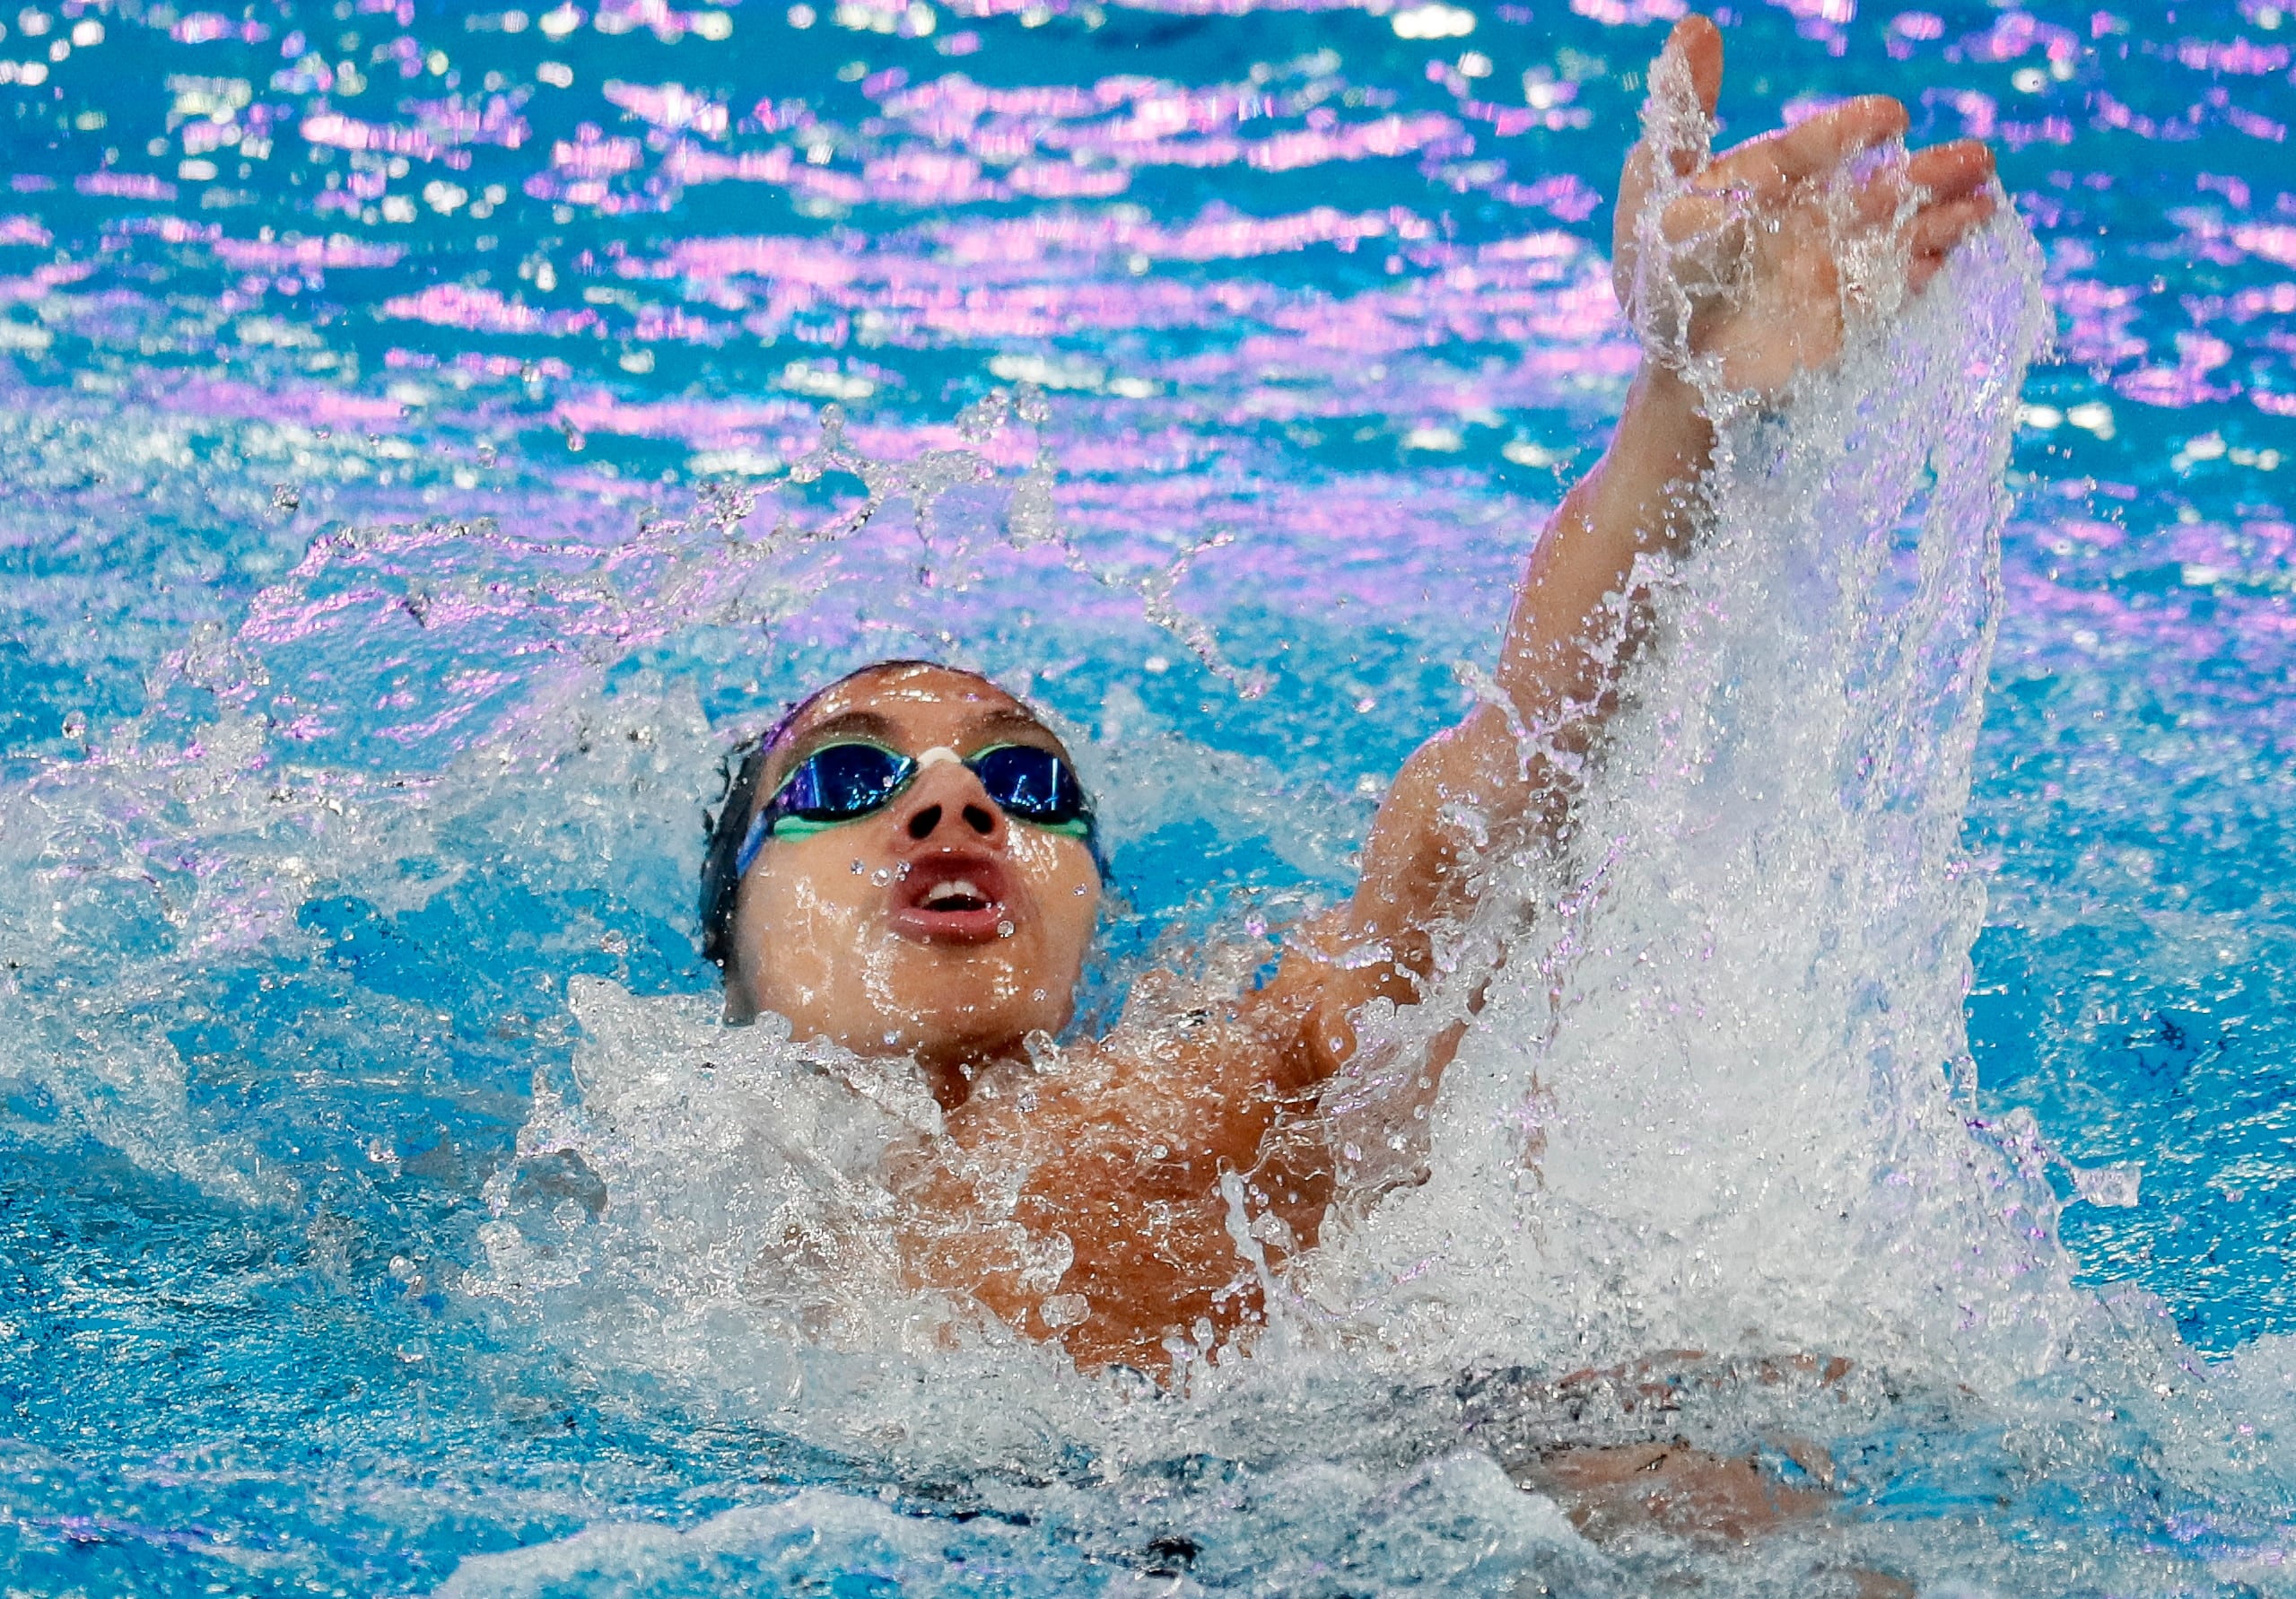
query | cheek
[1067, 888]
[806, 900]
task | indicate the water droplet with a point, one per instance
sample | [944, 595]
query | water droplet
[1004, 930]
[286, 498]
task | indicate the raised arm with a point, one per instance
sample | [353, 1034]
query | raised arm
[1728, 268]
[1095, 1201]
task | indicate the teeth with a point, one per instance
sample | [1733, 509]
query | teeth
[958, 889]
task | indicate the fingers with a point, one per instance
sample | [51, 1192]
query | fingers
[1950, 170]
[1788, 156]
[1701, 43]
[1880, 199]
[1939, 229]
[1931, 177]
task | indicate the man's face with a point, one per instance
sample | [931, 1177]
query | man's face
[936, 926]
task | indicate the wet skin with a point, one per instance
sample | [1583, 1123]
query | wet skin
[940, 930]
[1086, 1202]
[936, 928]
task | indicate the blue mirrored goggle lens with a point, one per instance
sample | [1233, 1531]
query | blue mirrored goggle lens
[1032, 785]
[841, 781]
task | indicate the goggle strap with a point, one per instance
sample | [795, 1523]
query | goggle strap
[752, 842]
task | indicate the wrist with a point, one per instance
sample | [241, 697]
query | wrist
[1666, 422]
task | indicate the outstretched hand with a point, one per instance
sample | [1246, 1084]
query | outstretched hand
[1763, 249]
[1740, 273]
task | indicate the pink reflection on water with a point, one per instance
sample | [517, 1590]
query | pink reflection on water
[489, 119]
[666, 23]
[453, 305]
[128, 186]
[714, 423]
[2241, 56]
[308, 403]
[929, 178]
[2275, 241]
[2095, 320]
[335, 249]
[205, 27]
[670, 106]
[1216, 234]
[2187, 383]
[349, 133]
[1630, 13]
[1129, 122]
[590, 154]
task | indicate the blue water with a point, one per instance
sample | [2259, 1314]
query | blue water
[397, 405]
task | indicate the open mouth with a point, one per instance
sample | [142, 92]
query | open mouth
[955, 899]
[963, 894]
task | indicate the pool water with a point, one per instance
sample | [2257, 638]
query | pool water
[432, 434]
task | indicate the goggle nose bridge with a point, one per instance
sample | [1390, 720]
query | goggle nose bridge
[941, 755]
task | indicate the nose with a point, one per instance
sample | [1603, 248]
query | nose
[947, 806]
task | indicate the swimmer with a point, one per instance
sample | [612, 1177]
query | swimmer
[909, 866]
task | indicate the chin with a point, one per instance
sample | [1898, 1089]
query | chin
[980, 996]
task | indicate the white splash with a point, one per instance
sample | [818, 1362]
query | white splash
[1717, 1099]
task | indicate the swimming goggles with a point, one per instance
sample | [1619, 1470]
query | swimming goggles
[845, 782]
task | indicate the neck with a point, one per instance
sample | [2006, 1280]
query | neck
[951, 1066]
[952, 1070]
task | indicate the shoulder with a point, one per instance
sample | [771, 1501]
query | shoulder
[1275, 1040]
